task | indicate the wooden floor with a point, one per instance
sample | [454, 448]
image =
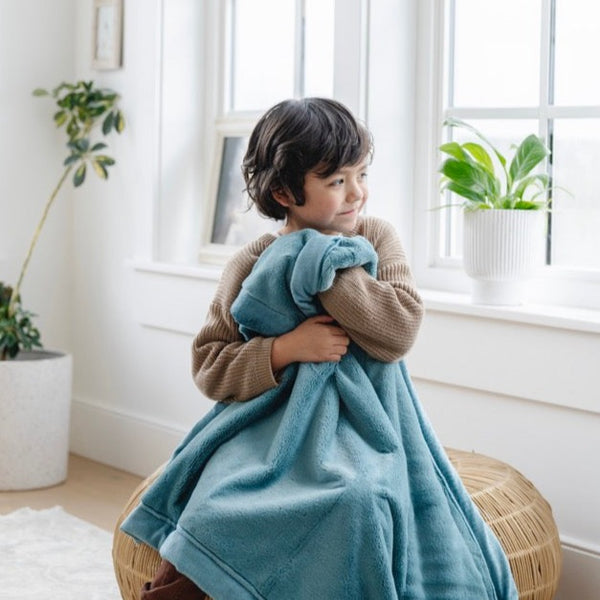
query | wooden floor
[93, 492]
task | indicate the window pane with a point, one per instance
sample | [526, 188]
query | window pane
[318, 50]
[577, 48]
[263, 34]
[496, 53]
[576, 218]
[503, 134]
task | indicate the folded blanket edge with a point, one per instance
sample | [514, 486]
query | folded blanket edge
[213, 576]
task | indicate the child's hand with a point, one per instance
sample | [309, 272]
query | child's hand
[315, 340]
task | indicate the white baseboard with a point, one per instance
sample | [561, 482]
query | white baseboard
[124, 441]
[580, 578]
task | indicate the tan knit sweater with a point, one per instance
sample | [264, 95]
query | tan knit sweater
[381, 315]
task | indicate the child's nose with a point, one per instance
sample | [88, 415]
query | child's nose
[355, 193]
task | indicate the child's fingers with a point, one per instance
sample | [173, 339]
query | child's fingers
[337, 331]
[321, 319]
[328, 320]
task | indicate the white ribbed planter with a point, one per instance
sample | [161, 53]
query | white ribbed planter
[35, 404]
[501, 251]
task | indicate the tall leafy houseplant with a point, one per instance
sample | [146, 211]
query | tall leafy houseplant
[503, 208]
[82, 109]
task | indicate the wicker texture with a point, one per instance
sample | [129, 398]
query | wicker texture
[510, 504]
[134, 563]
[519, 516]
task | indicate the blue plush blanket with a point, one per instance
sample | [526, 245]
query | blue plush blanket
[331, 486]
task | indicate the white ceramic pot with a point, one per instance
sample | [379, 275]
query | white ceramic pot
[501, 251]
[35, 405]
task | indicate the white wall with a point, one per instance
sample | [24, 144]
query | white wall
[36, 50]
[133, 395]
[130, 325]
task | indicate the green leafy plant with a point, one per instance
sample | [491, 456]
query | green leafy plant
[16, 327]
[470, 172]
[82, 110]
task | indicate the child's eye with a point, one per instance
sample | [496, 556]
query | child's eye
[338, 181]
[363, 176]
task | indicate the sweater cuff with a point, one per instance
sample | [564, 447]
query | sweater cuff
[262, 374]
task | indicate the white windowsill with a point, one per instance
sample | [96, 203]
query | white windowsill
[560, 317]
[202, 272]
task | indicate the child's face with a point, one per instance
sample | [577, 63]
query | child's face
[332, 204]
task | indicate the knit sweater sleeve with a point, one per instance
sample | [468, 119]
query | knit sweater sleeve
[224, 366]
[383, 314]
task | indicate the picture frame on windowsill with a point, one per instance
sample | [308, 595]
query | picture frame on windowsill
[107, 35]
[231, 220]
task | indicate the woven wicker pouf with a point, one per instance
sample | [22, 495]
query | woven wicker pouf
[510, 504]
[519, 516]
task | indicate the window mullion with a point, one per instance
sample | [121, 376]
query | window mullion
[350, 54]
[450, 48]
[490, 112]
[546, 122]
[300, 49]
[229, 41]
[546, 62]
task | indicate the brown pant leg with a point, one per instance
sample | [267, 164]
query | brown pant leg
[170, 584]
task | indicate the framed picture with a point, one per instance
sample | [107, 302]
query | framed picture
[231, 220]
[107, 34]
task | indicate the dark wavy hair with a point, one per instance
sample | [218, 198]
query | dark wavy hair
[295, 137]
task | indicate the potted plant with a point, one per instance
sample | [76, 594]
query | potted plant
[504, 206]
[35, 385]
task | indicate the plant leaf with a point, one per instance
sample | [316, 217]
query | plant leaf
[465, 192]
[98, 146]
[72, 128]
[61, 117]
[71, 159]
[108, 123]
[480, 154]
[541, 179]
[455, 150]
[469, 175]
[119, 122]
[529, 154]
[100, 169]
[105, 160]
[79, 176]
[96, 110]
[40, 92]
[452, 122]
[82, 144]
[528, 205]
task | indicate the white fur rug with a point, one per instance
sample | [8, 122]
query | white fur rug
[52, 554]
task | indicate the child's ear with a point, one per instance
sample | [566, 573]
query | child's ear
[283, 197]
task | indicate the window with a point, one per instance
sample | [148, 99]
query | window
[278, 49]
[223, 62]
[512, 68]
[274, 49]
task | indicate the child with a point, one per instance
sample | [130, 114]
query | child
[280, 462]
[307, 163]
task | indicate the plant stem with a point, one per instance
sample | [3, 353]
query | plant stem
[36, 235]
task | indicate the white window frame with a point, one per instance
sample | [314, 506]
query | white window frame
[571, 287]
[349, 86]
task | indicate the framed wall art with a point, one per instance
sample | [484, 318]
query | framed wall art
[107, 34]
